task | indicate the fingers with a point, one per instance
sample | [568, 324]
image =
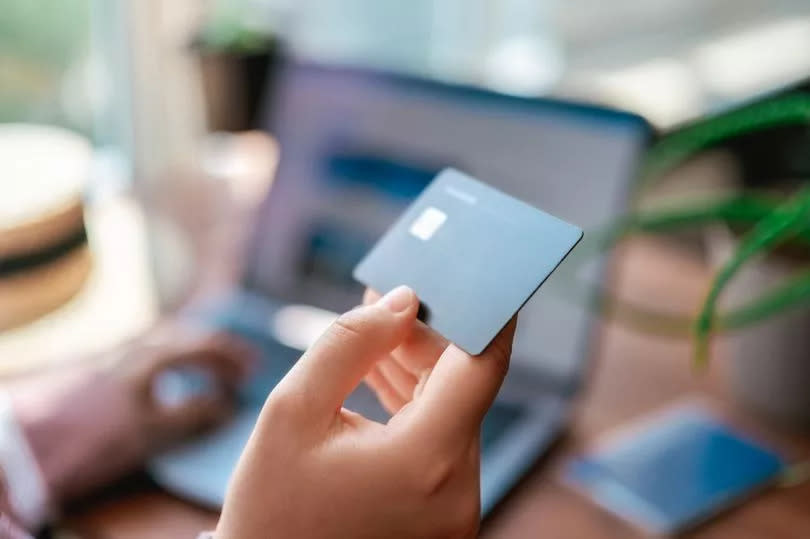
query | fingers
[210, 367]
[461, 388]
[391, 400]
[229, 357]
[325, 375]
[421, 348]
[401, 371]
[393, 385]
[395, 378]
[195, 415]
[402, 381]
[370, 296]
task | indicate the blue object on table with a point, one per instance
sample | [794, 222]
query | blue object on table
[675, 471]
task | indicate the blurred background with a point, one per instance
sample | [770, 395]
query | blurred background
[91, 65]
[147, 82]
[156, 113]
[159, 89]
[94, 66]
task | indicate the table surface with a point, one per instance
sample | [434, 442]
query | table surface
[632, 374]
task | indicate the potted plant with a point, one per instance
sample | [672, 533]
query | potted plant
[760, 292]
[237, 51]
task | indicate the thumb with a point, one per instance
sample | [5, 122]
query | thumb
[335, 365]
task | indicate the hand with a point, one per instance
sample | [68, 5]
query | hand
[222, 358]
[314, 469]
[90, 424]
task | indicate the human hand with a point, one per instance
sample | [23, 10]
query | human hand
[314, 469]
[219, 359]
[90, 424]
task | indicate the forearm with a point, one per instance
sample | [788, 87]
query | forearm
[51, 415]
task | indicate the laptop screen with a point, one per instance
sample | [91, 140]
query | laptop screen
[358, 146]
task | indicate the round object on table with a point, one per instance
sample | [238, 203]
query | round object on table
[44, 255]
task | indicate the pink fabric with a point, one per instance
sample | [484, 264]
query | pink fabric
[9, 530]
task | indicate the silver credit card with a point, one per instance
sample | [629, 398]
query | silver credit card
[473, 255]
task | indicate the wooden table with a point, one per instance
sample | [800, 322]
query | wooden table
[632, 375]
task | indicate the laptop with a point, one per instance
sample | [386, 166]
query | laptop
[356, 147]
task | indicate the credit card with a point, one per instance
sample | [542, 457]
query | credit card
[473, 255]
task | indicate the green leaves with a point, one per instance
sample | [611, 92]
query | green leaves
[793, 293]
[771, 221]
[673, 150]
[781, 225]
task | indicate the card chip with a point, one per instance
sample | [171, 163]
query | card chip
[428, 223]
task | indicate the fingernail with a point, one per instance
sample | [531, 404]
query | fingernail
[398, 299]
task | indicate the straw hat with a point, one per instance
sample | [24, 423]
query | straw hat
[44, 255]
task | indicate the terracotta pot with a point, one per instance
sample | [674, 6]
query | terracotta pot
[769, 367]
